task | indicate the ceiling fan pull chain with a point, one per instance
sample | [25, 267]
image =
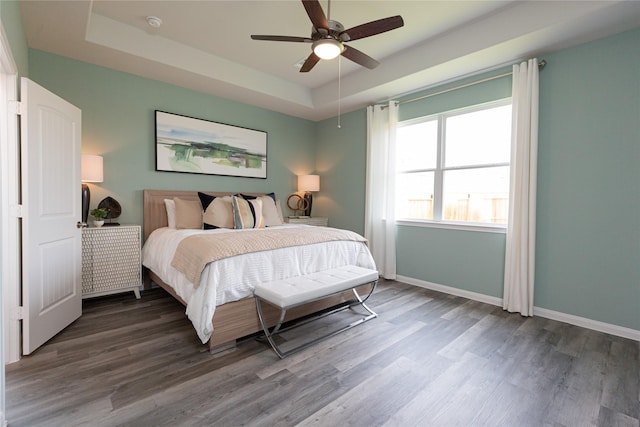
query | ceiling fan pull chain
[339, 84]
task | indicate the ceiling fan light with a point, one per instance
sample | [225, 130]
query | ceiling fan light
[327, 48]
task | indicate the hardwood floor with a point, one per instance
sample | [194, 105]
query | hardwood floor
[429, 359]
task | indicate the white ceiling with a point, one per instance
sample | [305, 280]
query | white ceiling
[206, 45]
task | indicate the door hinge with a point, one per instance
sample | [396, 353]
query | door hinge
[17, 211]
[16, 313]
[16, 107]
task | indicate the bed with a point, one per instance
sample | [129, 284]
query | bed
[234, 311]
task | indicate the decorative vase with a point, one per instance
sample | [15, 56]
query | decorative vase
[97, 223]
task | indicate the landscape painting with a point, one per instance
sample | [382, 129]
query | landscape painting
[186, 144]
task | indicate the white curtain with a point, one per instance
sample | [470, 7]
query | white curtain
[519, 271]
[379, 224]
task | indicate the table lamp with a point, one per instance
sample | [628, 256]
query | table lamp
[91, 172]
[308, 183]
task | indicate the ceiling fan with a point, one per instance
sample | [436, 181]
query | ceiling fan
[328, 37]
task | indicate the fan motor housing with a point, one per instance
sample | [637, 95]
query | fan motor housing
[335, 28]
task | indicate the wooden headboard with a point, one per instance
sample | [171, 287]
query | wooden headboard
[155, 212]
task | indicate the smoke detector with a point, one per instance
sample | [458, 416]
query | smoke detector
[154, 21]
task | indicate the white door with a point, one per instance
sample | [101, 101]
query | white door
[51, 252]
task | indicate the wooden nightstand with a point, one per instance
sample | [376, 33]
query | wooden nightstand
[311, 220]
[111, 260]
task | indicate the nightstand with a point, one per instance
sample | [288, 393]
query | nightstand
[311, 220]
[111, 261]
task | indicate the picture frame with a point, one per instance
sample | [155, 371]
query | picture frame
[189, 145]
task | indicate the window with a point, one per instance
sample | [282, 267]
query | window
[454, 166]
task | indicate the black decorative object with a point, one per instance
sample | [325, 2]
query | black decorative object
[309, 198]
[86, 197]
[113, 209]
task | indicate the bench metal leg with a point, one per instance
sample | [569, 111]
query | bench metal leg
[268, 334]
[278, 328]
[360, 301]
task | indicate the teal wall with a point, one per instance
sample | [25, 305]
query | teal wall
[588, 230]
[588, 237]
[118, 122]
[12, 24]
[341, 162]
[468, 260]
[480, 93]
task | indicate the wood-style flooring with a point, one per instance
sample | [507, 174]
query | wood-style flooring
[429, 359]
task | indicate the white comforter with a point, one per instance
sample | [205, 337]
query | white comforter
[234, 278]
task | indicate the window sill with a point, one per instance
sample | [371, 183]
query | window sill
[485, 228]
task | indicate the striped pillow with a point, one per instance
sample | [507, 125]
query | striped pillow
[247, 213]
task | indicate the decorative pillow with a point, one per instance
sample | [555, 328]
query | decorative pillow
[279, 211]
[218, 211]
[247, 213]
[188, 213]
[270, 211]
[170, 205]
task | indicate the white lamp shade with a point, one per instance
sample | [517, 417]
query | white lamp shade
[309, 183]
[92, 168]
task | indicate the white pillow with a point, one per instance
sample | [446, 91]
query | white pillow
[170, 205]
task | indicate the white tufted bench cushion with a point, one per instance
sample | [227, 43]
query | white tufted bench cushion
[294, 291]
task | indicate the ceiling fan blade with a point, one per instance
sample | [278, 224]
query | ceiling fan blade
[282, 38]
[372, 28]
[311, 61]
[359, 57]
[316, 14]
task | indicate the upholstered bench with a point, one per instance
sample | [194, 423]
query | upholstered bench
[288, 293]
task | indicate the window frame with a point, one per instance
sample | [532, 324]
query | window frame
[440, 169]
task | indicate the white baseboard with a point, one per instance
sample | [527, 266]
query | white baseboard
[450, 290]
[595, 325]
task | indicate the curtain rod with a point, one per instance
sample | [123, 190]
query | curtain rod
[541, 65]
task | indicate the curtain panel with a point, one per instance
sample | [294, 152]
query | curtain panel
[379, 224]
[519, 274]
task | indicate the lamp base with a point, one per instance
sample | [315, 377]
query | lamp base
[309, 198]
[86, 197]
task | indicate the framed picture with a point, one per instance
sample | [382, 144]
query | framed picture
[190, 145]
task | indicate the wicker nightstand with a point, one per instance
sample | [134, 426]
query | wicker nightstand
[111, 260]
[311, 220]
